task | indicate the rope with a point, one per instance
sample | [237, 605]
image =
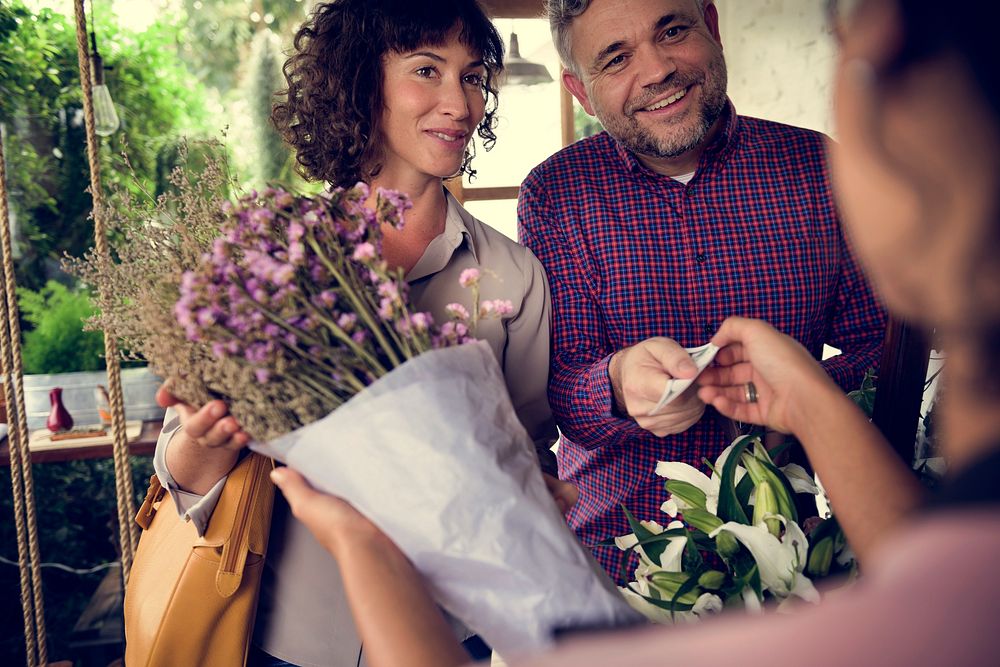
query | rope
[17, 442]
[128, 534]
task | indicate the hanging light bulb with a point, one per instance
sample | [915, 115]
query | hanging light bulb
[106, 120]
[521, 72]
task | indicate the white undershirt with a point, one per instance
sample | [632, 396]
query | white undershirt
[684, 178]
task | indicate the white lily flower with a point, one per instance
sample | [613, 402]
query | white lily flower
[779, 561]
[799, 479]
[669, 507]
[707, 605]
[708, 485]
[672, 557]
[626, 542]
[646, 608]
[654, 613]
[750, 600]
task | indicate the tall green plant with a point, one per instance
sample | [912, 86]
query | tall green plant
[272, 156]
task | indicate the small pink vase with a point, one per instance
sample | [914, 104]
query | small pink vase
[59, 418]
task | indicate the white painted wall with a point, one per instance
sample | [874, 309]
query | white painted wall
[780, 57]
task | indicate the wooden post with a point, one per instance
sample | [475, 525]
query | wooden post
[456, 188]
[901, 380]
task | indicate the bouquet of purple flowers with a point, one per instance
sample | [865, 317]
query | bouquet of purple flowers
[295, 288]
[282, 305]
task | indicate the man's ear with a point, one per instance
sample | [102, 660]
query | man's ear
[712, 21]
[576, 88]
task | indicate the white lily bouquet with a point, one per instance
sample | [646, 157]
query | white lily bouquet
[733, 539]
[282, 306]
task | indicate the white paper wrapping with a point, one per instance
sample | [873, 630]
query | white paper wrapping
[435, 456]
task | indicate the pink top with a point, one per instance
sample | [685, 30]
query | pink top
[931, 596]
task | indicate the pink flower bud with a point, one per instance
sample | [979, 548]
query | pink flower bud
[469, 277]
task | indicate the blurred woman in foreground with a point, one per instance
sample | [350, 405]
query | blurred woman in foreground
[918, 114]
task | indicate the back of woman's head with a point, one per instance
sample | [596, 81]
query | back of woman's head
[332, 109]
[931, 32]
[931, 29]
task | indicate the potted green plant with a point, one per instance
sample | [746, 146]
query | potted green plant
[57, 352]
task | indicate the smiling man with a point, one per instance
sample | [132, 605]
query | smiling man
[680, 214]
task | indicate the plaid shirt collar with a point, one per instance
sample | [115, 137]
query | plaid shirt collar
[715, 153]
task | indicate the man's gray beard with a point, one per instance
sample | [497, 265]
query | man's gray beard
[642, 141]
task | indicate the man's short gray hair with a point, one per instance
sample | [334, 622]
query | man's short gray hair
[561, 14]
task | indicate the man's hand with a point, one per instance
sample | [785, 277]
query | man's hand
[638, 376]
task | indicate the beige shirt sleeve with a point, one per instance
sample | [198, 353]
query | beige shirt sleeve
[190, 506]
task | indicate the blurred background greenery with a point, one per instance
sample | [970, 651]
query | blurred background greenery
[185, 70]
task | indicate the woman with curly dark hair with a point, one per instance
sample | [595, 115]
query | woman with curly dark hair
[332, 112]
[390, 93]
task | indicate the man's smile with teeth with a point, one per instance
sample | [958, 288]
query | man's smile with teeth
[670, 100]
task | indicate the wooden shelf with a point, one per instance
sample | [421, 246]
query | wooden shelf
[72, 451]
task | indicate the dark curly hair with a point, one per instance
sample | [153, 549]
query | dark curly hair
[331, 111]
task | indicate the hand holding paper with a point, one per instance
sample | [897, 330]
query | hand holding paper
[702, 357]
[638, 374]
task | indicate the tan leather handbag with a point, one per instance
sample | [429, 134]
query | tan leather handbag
[191, 600]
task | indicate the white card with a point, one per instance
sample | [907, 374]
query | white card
[702, 357]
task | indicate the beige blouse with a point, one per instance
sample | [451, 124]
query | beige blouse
[303, 616]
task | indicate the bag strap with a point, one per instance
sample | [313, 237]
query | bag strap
[237, 545]
[144, 517]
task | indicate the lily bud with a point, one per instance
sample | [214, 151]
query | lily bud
[820, 558]
[754, 468]
[760, 473]
[785, 502]
[701, 519]
[727, 544]
[712, 580]
[668, 583]
[689, 494]
[766, 504]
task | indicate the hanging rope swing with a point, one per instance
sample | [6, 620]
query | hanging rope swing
[128, 532]
[25, 516]
[29, 559]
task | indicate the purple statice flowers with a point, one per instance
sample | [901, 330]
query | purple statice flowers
[295, 287]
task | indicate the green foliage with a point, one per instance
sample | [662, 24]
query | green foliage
[272, 156]
[78, 527]
[217, 34]
[58, 343]
[40, 107]
[585, 124]
[864, 396]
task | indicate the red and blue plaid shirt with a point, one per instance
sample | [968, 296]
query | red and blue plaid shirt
[632, 254]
